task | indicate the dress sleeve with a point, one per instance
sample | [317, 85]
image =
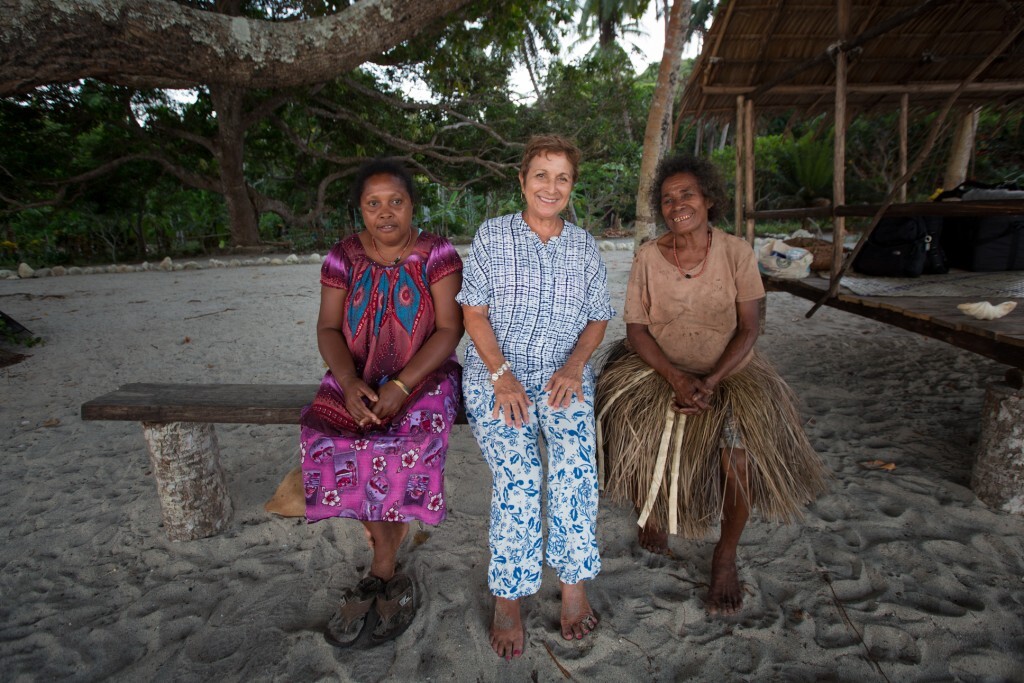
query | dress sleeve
[476, 286]
[638, 299]
[336, 268]
[599, 304]
[442, 261]
[749, 286]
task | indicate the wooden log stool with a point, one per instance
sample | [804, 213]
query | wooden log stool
[998, 474]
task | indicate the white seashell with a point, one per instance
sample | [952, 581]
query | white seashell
[983, 310]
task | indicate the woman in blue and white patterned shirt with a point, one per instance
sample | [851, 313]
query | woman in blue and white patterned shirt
[535, 302]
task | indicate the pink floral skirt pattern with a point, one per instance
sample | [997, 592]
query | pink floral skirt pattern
[390, 475]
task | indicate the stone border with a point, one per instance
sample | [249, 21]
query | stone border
[25, 271]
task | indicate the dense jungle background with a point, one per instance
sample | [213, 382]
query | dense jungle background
[97, 173]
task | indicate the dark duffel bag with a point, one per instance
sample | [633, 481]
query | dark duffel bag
[903, 247]
[985, 243]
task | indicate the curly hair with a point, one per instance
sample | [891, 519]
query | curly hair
[381, 166]
[551, 144]
[708, 179]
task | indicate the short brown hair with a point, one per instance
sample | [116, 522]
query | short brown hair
[551, 144]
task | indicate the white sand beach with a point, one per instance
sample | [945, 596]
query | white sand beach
[898, 575]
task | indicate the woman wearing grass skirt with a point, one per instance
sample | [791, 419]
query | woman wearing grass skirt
[696, 427]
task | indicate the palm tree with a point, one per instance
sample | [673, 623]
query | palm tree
[610, 18]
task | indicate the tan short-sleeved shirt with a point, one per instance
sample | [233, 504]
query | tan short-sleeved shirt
[693, 319]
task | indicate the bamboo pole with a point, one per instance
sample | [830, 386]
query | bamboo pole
[748, 143]
[737, 219]
[904, 127]
[839, 148]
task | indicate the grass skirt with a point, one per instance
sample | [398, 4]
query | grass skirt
[650, 456]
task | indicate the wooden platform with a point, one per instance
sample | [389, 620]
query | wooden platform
[933, 316]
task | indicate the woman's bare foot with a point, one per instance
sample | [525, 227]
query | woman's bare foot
[726, 594]
[507, 635]
[653, 539]
[577, 617]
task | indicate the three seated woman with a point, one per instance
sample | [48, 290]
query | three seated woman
[696, 426]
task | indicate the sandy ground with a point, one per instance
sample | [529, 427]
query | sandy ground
[898, 575]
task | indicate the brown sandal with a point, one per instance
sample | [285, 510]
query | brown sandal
[395, 609]
[354, 616]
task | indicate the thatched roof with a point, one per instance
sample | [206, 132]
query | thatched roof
[778, 52]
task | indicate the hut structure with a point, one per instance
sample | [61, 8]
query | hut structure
[846, 58]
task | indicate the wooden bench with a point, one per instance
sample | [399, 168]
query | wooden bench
[177, 424]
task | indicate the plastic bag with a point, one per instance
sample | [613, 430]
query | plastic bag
[777, 259]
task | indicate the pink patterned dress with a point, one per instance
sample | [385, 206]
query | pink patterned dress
[393, 473]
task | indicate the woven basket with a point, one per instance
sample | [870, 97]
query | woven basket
[822, 251]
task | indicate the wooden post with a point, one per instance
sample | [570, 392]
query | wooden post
[189, 481]
[748, 183]
[839, 150]
[737, 220]
[904, 145]
[998, 474]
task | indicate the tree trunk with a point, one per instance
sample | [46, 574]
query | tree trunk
[659, 118]
[960, 153]
[189, 481]
[998, 474]
[230, 151]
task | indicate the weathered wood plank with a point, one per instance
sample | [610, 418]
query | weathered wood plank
[206, 403]
[228, 403]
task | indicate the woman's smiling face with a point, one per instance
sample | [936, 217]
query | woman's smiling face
[547, 185]
[682, 204]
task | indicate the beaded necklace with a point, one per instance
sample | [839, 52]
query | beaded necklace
[397, 258]
[703, 264]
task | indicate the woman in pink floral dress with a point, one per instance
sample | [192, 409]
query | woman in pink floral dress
[374, 439]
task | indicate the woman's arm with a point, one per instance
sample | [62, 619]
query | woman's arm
[510, 397]
[335, 352]
[690, 390]
[748, 318]
[568, 379]
[435, 350]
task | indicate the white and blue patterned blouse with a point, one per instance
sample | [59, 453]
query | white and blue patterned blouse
[539, 296]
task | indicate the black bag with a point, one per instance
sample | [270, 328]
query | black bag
[985, 243]
[903, 247]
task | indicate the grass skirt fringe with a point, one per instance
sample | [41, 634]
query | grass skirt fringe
[649, 455]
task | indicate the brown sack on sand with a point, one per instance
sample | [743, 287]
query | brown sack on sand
[289, 499]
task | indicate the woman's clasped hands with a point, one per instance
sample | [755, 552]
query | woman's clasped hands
[384, 403]
[692, 393]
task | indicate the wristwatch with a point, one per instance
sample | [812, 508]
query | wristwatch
[495, 376]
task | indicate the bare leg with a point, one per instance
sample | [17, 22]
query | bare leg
[652, 539]
[385, 538]
[577, 617]
[726, 594]
[507, 635]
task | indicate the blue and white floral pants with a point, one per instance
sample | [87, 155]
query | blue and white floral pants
[571, 504]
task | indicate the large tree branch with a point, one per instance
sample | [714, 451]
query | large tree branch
[310, 217]
[443, 154]
[419, 106]
[164, 44]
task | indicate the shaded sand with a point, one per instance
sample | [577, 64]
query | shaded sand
[92, 590]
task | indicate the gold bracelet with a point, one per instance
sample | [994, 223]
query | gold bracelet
[401, 385]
